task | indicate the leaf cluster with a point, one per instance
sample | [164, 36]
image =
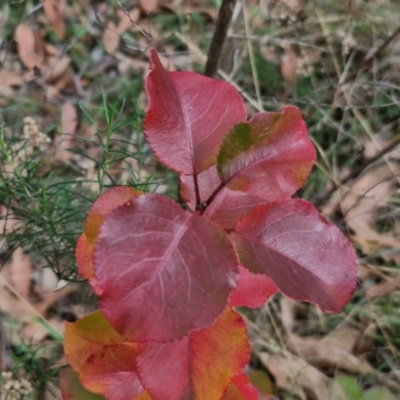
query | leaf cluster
[167, 279]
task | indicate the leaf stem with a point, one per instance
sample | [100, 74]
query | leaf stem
[197, 192]
[205, 204]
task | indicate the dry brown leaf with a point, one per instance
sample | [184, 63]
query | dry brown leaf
[66, 81]
[148, 6]
[10, 303]
[334, 351]
[112, 33]
[9, 78]
[287, 313]
[56, 67]
[383, 288]
[7, 82]
[289, 62]
[26, 46]
[21, 273]
[295, 6]
[69, 122]
[297, 376]
[378, 186]
[365, 271]
[54, 10]
[126, 21]
[69, 118]
[52, 92]
[51, 50]
[270, 54]
[111, 38]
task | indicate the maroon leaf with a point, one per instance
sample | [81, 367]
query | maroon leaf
[199, 366]
[252, 290]
[188, 117]
[163, 271]
[227, 207]
[270, 156]
[307, 258]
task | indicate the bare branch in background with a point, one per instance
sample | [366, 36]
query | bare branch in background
[221, 29]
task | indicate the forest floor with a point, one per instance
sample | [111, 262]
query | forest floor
[71, 109]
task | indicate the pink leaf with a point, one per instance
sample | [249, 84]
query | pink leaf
[188, 117]
[270, 156]
[197, 367]
[252, 290]
[227, 207]
[307, 258]
[163, 271]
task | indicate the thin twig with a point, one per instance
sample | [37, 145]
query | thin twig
[130, 19]
[367, 60]
[355, 172]
[221, 29]
[379, 50]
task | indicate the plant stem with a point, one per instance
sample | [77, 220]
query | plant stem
[211, 198]
[221, 29]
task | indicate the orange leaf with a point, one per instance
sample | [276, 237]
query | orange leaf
[72, 389]
[240, 388]
[111, 371]
[106, 362]
[87, 335]
[199, 366]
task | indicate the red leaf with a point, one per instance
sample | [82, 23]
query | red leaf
[252, 290]
[198, 366]
[103, 205]
[227, 207]
[111, 371]
[307, 258]
[188, 117]
[174, 269]
[71, 387]
[240, 388]
[270, 156]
